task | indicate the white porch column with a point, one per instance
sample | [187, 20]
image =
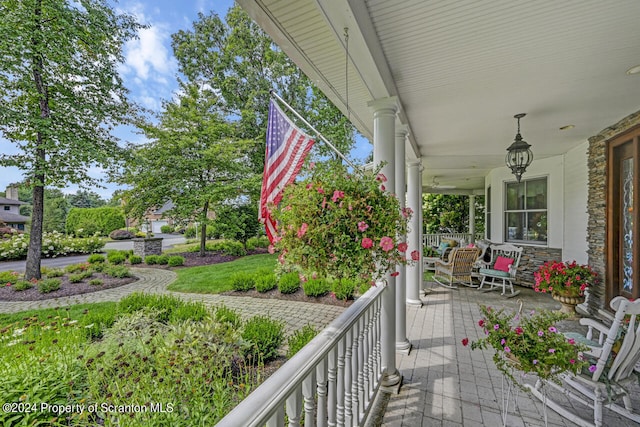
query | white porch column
[384, 117]
[414, 202]
[472, 218]
[402, 343]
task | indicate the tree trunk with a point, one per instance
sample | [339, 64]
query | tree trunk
[34, 253]
[203, 229]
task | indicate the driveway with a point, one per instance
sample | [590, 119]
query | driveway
[168, 241]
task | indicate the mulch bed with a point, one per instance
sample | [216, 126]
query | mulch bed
[7, 293]
[192, 259]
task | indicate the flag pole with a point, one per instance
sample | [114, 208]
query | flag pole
[318, 134]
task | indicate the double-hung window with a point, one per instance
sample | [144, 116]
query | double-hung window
[526, 211]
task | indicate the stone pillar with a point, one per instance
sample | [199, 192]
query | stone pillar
[147, 246]
[384, 116]
[414, 202]
[472, 218]
[402, 343]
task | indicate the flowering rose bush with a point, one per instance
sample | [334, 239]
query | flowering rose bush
[564, 278]
[529, 343]
[340, 225]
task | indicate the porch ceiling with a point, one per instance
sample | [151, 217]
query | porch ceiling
[462, 69]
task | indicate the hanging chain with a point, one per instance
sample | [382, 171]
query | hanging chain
[346, 70]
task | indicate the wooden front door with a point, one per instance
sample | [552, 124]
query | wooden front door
[623, 216]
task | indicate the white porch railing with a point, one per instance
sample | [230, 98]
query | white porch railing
[433, 240]
[332, 381]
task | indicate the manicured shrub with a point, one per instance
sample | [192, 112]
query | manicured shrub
[344, 288]
[22, 285]
[121, 235]
[48, 285]
[163, 259]
[190, 232]
[195, 311]
[96, 322]
[299, 339]
[77, 268]
[257, 242]
[228, 315]
[84, 222]
[135, 259]
[54, 272]
[265, 336]
[175, 261]
[265, 281]
[116, 258]
[76, 278]
[95, 282]
[151, 259]
[95, 258]
[117, 271]
[242, 282]
[289, 283]
[9, 277]
[166, 229]
[227, 247]
[316, 287]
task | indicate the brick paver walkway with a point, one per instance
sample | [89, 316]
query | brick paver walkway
[151, 280]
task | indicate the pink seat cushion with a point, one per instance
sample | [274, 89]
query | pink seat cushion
[503, 263]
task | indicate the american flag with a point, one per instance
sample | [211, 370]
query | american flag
[287, 147]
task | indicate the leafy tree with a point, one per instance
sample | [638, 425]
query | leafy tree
[85, 199]
[242, 62]
[191, 160]
[55, 207]
[451, 212]
[61, 94]
[238, 222]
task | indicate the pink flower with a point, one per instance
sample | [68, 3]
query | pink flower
[503, 341]
[552, 350]
[303, 229]
[407, 212]
[553, 329]
[337, 195]
[592, 368]
[535, 361]
[402, 247]
[572, 361]
[496, 327]
[366, 242]
[465, 341]
[395, 273]
[386, 243]
[362, 226]
[481, 322]
[540, 333]
[380, 177]
[324, 203]
[271, 249]
[571, 341]
[382, 187]
[369, 208]
[507, 350]
[320, 190]
[415, 255]
[519, 330]
[308, 187]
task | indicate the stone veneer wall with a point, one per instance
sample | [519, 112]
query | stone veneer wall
[597, 203]
[149, 246]
[532, 258]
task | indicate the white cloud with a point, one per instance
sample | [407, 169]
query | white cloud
[149, 55]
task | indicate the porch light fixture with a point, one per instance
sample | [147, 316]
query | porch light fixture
[519, 155]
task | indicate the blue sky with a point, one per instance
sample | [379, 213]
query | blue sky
[149, 71]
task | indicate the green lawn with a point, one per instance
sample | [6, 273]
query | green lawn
[213, 279]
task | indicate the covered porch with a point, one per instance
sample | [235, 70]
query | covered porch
[435, 87]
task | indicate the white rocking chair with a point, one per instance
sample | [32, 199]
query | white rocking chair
[613, 371]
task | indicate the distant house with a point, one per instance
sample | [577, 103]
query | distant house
[10, 210]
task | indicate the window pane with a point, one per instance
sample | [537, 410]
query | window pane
[537, 194]
[515, 196]
[537, 226]
[515, 225]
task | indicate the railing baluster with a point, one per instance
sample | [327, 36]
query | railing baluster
[277, 419]
[355, 371]
[340, 392]
[294, 407]
[347, 377]
[331, 397]
[308, 396]
[321, 373]
[376, 340]
[363, 375]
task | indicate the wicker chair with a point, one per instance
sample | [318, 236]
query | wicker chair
[457, 269]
